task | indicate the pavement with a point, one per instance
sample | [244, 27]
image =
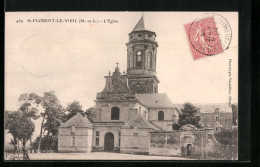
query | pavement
[98, 156]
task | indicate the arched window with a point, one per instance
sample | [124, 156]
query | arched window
[139, 59]
[160, 116]
[115, 111]
[150, 59]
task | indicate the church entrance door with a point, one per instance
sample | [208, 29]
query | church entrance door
[109, 142]
[188, 149]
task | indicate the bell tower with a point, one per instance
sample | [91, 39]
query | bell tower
[141, 60]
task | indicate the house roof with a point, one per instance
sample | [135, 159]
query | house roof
[79, 120]
[209, 107]
[157, 100]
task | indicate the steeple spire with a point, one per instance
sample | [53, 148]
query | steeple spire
[140, 25]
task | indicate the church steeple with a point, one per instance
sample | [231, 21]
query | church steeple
[141, 58]
[140, 25]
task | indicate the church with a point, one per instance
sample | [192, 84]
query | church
[128, 109]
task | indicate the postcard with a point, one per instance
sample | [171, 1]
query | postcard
[121, 86]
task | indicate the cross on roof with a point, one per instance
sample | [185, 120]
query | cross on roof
[117, 64]
[109, 73]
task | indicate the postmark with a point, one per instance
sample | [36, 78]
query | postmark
[208, 35]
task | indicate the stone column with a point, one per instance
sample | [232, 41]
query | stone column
[128, 57]
[134, 58]
[144, 65]
[155, 54]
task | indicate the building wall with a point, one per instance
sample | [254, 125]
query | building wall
[168, 118]
[176, 143]
[83, 139]
[144, 35]
[144, 48]
[164, 125]
[102, 111]
[135, 141]
[216, 120]
[102, 132]
[165, 144]
[168, 114]
[142, 110]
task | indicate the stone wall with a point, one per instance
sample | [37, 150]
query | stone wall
[102, 111]
[216, 120]
[193, 143]
[135, 141]
[82, 137]
[168, 118]
[167, 144]
[168, 114]
[102, 132]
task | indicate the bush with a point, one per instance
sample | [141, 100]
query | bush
[227, 137]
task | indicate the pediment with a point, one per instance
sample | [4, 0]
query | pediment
[115, 97]
[116, 84]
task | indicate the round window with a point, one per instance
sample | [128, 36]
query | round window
[139, 53]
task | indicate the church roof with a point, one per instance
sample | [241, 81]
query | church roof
[157, 100]
[140, 26]
[79, 120]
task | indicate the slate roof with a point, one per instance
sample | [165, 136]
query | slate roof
[78, 119]
[157, 100]
[209, 107]
[140, 25]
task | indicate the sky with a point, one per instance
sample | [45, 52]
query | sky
[73, 58]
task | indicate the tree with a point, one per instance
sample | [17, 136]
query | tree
[51, 116]
[227, 137]
[234, 114]
[25, 131]
[188, 116]
[29, 111]
[72, 109]
[9, 116]
[27, 108]
[46, 143]
[53, 113]
[21, 127]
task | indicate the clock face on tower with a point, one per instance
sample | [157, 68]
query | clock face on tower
[139, 53]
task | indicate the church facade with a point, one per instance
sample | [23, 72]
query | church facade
[129, 107]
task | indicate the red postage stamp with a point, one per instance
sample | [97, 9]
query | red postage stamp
[203, 38]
